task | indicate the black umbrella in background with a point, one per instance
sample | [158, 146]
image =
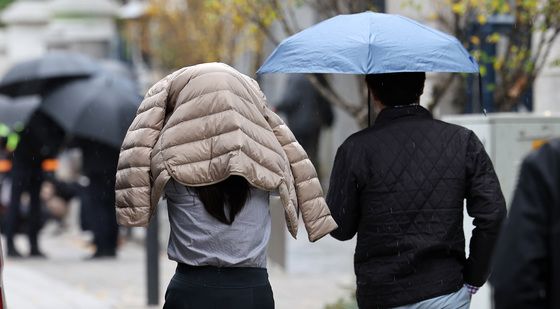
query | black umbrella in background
[46, 72]
[100, 108]
[14, 113]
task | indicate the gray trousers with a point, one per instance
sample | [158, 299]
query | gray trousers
[458, 300]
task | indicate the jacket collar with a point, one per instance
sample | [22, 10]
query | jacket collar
[389, 114]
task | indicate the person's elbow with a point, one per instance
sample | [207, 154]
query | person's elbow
[500, 213]
[494, 220]
[489, 214]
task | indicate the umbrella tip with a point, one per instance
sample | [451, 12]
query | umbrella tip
[484, 112]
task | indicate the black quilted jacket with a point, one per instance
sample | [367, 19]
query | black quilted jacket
[400, 185]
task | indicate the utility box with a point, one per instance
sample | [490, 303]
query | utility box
[508, 138]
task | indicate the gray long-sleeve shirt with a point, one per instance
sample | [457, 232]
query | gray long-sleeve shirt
[198, 239]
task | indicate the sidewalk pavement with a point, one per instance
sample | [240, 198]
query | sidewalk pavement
[320, 273]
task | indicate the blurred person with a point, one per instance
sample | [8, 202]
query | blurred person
[63, 186]
[56, 205]
[400, 186]
[205, 138]
[57, 193]
[40, 139]
[307, 112]
[97, 193]
[9, 138]
[5, 165]
[526, 268]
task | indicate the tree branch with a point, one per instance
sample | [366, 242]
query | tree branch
[264, 29]
[328, 93]
[282, 17]
[550, 42]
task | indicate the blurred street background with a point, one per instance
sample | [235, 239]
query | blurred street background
[122, 47]
[321, 274]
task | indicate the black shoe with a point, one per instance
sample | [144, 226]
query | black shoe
[13, 253]
[110, 255]
[98, 255]
[37, 254]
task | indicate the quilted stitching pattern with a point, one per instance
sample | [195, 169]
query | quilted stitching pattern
[412, 176]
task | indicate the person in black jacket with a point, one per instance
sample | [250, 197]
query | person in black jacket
[40, 139]
[99, 165]
[526, 268]
[400, 186]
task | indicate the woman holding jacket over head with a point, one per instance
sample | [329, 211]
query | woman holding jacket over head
[205, 138]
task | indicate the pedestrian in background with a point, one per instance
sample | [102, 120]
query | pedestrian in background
[205, 138]
[99, 166]
[400, 186]
[7, 138]
[526, 271]
[40, 140]
[308, 112]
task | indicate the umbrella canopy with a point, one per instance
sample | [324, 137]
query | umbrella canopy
[100, 108]
[42, 74]
[16, 112]
[368, 43]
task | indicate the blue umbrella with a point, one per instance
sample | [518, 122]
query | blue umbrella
[368, 43]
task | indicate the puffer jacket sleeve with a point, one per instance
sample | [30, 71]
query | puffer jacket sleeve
[134, 181]
[316, 215]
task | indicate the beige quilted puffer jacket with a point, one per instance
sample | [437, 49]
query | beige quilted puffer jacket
[200, 125]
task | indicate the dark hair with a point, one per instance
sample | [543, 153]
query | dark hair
[394, 89]
[231, 193]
